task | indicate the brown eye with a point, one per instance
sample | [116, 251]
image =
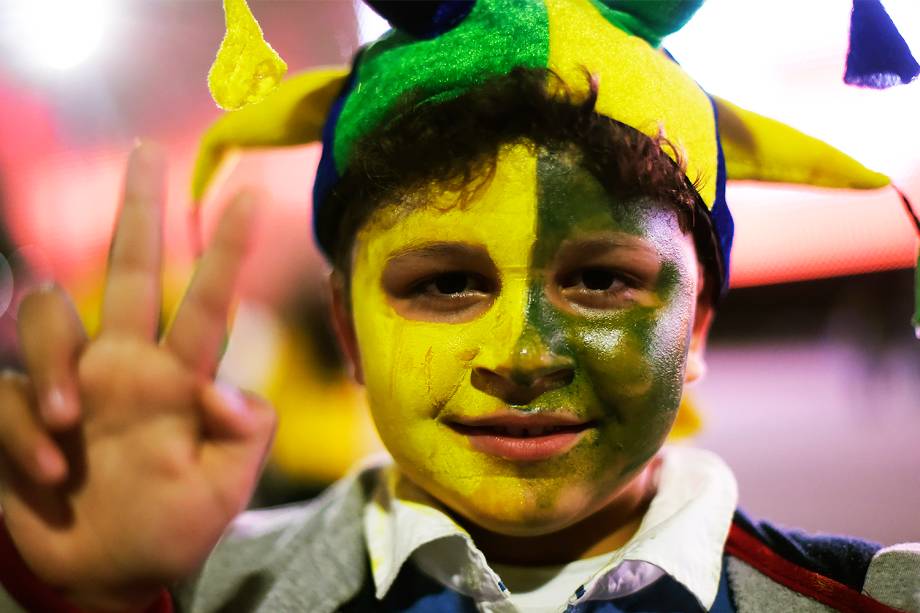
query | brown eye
[597, 279]
[597, 288]
[450, 292]
[452, 283]
[441, 282]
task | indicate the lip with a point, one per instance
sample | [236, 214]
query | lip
[523, 438]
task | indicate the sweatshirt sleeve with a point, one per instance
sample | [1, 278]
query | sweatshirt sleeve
[894, 577]
[22, 591]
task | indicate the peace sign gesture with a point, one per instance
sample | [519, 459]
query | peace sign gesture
[123, 461]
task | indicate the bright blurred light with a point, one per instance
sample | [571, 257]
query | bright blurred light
[786, 59]
[55, 34]
[371, 26]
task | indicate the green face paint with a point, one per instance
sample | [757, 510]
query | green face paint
[456, 306]
[628, 344]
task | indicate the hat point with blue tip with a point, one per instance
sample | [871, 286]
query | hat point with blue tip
[441, 49]
[878, 56]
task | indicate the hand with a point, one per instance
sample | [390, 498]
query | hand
[123, 460]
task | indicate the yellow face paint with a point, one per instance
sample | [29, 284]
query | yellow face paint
[411, 368]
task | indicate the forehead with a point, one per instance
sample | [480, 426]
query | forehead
[536, 200]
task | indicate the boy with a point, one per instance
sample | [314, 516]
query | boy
[523, 281]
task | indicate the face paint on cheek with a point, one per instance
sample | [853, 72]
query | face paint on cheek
[629, 358]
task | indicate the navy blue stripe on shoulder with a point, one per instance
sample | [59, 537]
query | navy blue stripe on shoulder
[411, 592]
[841, 558]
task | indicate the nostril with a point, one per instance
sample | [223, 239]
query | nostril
[520, 388]
[557, 379]
[491, 382]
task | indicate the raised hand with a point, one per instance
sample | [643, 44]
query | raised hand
[122, 459]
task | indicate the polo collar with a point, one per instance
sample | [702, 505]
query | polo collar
[682, 534]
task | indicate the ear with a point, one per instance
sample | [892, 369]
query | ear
[696, 361]
[344, 325]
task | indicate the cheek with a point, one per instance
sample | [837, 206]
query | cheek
[412, 369]
[635, 361]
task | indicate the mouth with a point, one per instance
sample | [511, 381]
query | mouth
[523, 438]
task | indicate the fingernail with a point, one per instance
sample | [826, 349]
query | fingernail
[232, 397]
[50, 462]
[55, 407]
[45, 286]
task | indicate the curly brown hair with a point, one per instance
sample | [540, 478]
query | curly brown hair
[454, 143]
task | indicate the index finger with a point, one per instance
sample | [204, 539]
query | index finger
[132, 293]
[198, 330]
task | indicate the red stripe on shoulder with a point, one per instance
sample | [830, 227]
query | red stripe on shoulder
[750, 550]
[34, 595]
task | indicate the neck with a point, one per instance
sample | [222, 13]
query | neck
[602, 532]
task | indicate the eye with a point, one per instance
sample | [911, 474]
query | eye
[598, 279]
[441, 282]
[452, 283]
[449, 294]
[597, 288]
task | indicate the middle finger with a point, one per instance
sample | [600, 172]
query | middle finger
[132, 294]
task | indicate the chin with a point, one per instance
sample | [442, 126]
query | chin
[513, 507]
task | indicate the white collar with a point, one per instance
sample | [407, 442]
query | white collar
[682, 534]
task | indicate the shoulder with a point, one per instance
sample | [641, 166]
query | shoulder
[841, 558]
[807, 572]
[307, 556]
[894, 576]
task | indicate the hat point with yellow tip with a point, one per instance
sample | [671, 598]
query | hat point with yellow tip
[440, 49]
[246, 68]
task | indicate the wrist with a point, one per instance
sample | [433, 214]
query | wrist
[140, 600]
[34, 594]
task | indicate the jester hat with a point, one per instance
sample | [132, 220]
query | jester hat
[442, 49]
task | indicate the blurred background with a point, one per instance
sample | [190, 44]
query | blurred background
[813, 390]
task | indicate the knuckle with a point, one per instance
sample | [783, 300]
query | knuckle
[94, 370]
[212, 303]
[106, 366]
[126, 370]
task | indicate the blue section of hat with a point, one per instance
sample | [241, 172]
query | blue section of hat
[879, 56]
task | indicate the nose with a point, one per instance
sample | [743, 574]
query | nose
[531, 370]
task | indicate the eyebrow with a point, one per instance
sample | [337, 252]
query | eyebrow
[599, 245]
[439, 249]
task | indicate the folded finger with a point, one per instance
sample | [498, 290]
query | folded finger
[229, 413]
[132, 294]
[197, 333]
[23, 440]
[238, 428]
[51, 338]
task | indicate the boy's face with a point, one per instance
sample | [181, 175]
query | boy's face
[524, 353]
